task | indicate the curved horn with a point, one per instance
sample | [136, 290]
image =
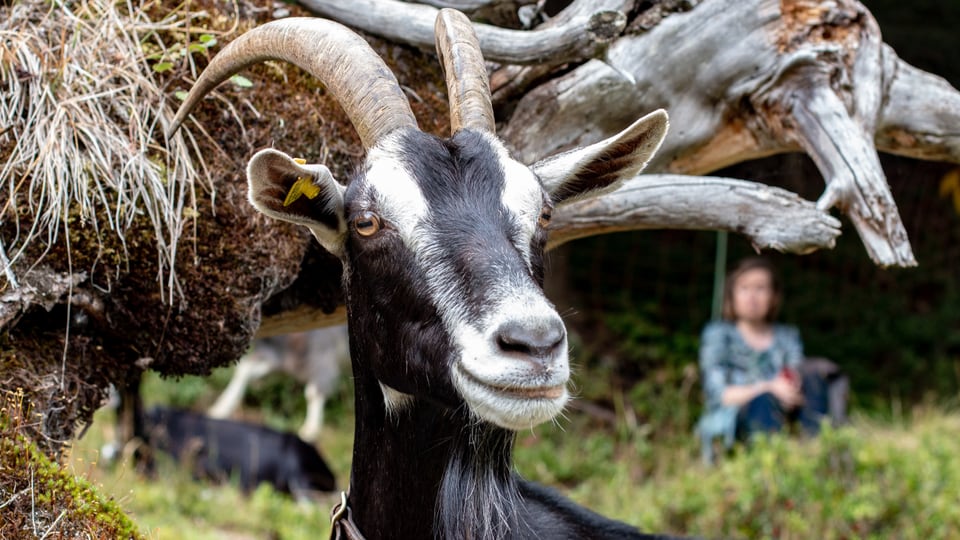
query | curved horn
[352, 72]
[468, 86]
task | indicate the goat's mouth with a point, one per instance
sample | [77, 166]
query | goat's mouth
[511, 406]
[518, 392]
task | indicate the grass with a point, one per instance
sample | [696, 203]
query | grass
[876, 478]
[87, 69]
[871, 479]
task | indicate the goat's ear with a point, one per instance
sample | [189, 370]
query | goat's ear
[284, 188]
[603, 165]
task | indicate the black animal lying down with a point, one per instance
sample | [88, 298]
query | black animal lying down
[219, 449]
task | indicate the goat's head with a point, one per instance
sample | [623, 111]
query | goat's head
[442, 240]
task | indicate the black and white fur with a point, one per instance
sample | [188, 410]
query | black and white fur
[454, 345]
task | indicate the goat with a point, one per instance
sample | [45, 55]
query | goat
[454, 346]
[217, 449]
[313, 358]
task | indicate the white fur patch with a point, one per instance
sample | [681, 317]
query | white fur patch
[522, 195]
[494, 382]
[395, 401]
[501, 387]
[397, 196]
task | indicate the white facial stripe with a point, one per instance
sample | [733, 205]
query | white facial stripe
[398, 197]
[400, 202]
[522, 195]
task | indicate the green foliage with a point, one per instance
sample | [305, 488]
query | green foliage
[867, 480]
[177, 507]
[642, 340]
[876, 478]
[241, 81]
[166, 58]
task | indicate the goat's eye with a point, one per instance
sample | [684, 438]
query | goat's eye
[545, 216]
[366, 224]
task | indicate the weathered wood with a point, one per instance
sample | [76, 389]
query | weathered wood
[301, 319]
[845, 154]
[768, 216]
[42, 287]
[920, 117]
[782, 76]
[741, 80]
[466, 6]
[581, 37]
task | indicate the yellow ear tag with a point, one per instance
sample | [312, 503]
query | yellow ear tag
[303, 186]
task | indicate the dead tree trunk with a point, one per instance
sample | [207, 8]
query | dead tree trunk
[741, 80]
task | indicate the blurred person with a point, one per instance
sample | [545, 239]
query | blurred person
[752, 368]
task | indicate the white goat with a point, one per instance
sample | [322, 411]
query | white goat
[313, 358]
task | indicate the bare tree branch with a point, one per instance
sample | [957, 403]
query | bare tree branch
[40, 287]
[778, 77]
[466, 6]
[921, 113]
[582, 37]
[770, 217]
[300, 319]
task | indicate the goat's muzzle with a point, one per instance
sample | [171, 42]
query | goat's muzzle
[516, 377]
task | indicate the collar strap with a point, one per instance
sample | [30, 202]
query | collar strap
[342, 526]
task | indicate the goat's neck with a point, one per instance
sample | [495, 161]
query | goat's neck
[406, 463]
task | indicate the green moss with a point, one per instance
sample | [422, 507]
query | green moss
[38, 493]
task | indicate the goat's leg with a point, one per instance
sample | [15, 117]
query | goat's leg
[313, 422]
[249, 369]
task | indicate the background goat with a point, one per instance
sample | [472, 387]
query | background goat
[453, 344]
[312, 358]
[218, 449]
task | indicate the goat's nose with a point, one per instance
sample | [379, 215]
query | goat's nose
[539, 338]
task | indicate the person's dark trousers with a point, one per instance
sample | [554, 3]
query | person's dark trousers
[816, 404]
[763, 414]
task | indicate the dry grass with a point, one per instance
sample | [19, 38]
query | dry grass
[82, 117]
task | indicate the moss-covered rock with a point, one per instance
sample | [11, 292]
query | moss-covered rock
[38, 498]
